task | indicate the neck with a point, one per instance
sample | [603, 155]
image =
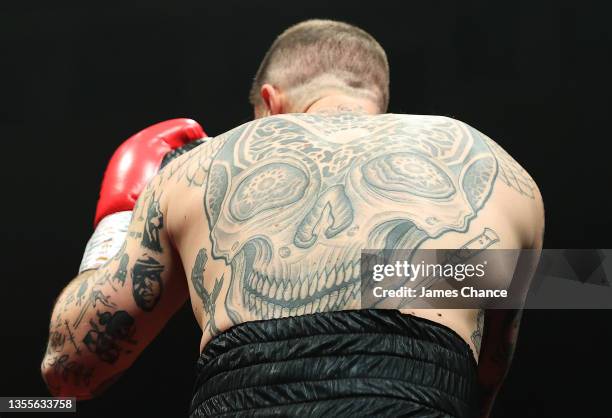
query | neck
[340, 103]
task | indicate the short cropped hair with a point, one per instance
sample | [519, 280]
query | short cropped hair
[317, 54]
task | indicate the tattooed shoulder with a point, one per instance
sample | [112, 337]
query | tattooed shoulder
[510, 172]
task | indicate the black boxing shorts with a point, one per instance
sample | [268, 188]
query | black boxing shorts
[360, 363]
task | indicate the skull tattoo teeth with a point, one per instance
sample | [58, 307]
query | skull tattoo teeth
[291, 202]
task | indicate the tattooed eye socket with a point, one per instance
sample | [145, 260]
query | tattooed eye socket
[268, 187]
[407, 172]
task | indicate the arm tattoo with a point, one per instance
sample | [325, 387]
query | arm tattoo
[153, 224]
[71, 338]
[147, 284]
[56, 342]
[76, 295]
[94, 323]
[289, 201]
[121, 272]
[208, 299]
[104, 336]
[95, 296]
[70, 371]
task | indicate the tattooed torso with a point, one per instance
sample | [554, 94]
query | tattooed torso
[270, 218]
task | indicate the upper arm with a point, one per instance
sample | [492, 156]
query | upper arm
[107, 317]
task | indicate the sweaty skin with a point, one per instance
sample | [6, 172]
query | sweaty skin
[268, 220]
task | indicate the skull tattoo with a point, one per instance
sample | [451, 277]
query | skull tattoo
[292, 200]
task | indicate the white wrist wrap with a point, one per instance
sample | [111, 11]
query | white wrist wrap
[106, 240]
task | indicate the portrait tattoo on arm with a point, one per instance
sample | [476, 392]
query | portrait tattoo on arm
[208, 299]
[95, 320]
[147, 285]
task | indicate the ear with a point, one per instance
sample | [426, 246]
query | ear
[272, 98]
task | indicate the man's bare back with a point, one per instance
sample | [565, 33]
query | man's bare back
[269, 219]
[267, 222]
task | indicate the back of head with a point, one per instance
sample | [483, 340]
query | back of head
[316, 55]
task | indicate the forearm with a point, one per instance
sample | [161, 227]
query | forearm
[105, 318]
[91, 334]
[67, 366]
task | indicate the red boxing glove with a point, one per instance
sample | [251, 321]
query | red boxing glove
[137, 160]
[131, 167]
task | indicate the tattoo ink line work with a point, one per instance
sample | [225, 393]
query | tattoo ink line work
[71, 370]
[208, 299]
[289, 201]
[94, 297]
[75, 294]
[147, 285]
[139, 209]
[71, 337]
[105, 278]
[121, 272]
[510, 172]
[153, 224]
[476, 336]
[194, 167]
[104, 337]
[56, 342]
[473, 247]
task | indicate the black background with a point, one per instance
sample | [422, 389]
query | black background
[78, 80]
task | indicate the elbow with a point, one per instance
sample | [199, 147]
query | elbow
[61, 382]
